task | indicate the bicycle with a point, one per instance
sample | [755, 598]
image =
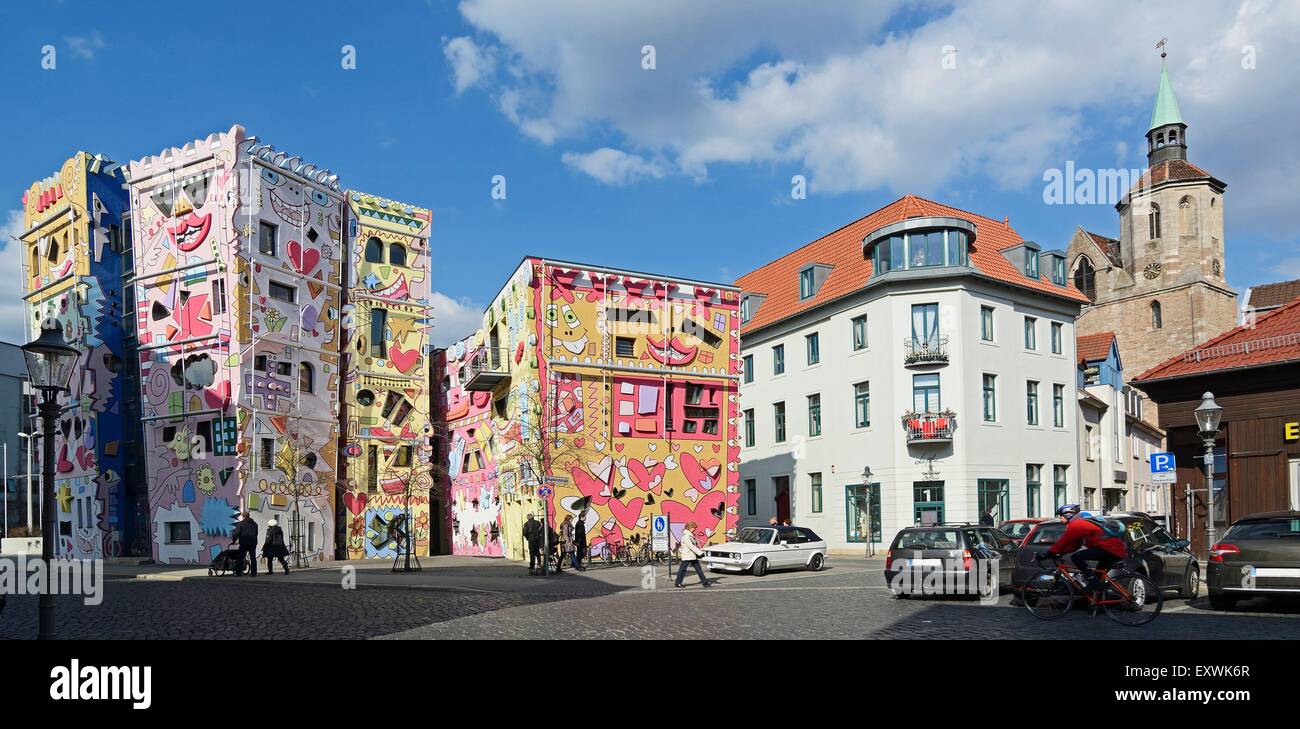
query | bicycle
[646, 554]
[1128, 598]
[610, 556]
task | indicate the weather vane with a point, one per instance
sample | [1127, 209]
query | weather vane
[1161, 46]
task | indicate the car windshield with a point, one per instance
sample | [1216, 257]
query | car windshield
[1016, 529]
[1264, 529]
[1048, 533]
[755, 536]
[929, 539]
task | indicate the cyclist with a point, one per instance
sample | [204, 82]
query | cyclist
[1097, 545]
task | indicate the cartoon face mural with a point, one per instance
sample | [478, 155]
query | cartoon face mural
[386, 344]
[630, 383]
[73, 276]
[238, 267]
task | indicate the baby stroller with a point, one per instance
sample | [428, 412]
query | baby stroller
[227, 561]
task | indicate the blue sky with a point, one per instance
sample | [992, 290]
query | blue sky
[685, 168]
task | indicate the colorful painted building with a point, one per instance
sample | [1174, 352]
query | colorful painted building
[620, 387]
[73, 239]
[238, 274]
[386, 419]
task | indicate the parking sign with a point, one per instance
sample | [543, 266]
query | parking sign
[659, 534]
[1163, 468]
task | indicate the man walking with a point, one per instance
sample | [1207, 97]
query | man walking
[245, 536]
[580, 541]
[533, 537]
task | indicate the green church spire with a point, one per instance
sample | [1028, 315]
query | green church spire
[1166, 108]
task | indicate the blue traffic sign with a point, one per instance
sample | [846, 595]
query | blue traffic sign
[1163, 468]
[543, 492]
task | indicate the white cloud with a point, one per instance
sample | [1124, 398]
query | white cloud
[863, 108]
[613, 166]
[469, 62]
[1288, 268]
[454, 319]
[12, 311]
[86, 46]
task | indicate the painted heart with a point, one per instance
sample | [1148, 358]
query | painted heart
[670, 462]
[677, 446]
[355, 503]
[600, 445]
[304, 260]
[717, 448]
[217, 397]
[653, 447]
[403, 361]
[692, 494]
[618, 447]
[64, 465]
[580, 442]
[702, 514]
[699, 449]
[627, 514]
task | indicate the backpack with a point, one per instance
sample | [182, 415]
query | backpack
[1109, 527]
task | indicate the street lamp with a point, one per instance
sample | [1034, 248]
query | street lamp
[866, 484]
[49, 366]
[1208, 415]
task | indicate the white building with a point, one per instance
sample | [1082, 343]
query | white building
[934, 347]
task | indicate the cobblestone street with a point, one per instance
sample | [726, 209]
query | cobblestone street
[465, 598]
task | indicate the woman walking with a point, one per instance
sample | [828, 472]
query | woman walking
[567, 546]
[689, 552]
[274, 547]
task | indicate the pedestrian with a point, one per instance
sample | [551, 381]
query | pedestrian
[986, 519]
[554, 547]
[580, 541]
[785, 523]
[244, 537]
[772, 521]
[689, 552]
[274, 548]
[566, 537]
[533, 538]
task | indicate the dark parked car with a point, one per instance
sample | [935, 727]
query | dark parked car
[947, 555]
[1258, 555]
[1154, 553]
[1018, 529]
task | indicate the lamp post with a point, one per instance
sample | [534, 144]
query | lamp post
[49, 365]
[1208, 415]
[866, 485]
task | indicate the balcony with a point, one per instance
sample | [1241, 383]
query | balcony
[925, 351]
[487, 368]
[929, 427]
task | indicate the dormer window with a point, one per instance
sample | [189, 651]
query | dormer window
[811, 278]
[1058, 270]
[1031, 263]
[920, 243]
[744, 310]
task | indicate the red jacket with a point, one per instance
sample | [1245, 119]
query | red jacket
[1081, 532]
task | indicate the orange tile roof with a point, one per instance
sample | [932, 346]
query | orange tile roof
[1274, 338]
[779, 280]
[1170, 170]
[1268, 296]
[1093, 347]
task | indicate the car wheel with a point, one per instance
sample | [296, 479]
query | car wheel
[817, 562]
[1223, 602]
[760, 567]
[1191, 584]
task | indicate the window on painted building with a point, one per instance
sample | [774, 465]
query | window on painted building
[1031, 333]
[218, 296]
[1157, 321]
[814, 415]
[266, 457]
[624, 347]
[259, 363]
[1059, 486]
[403, 459]
[749, 428]
[374, 250]
[267, 237]
[925, 393]
[986, 323]
[1033, 488]
[378, 332]
[178, 532]
[859, 332]
[1031, 402]
[778, 359]
[372, 468]
[1058, 405]
[36, 262]
[812, 344]
[778, 418]
[306, 377]
[52, 255]
[806, 279]
[749, 368]
[700, 410]
[862, 405]
[751, 496]
[391, 402]
[815, 489]
[283, 369]
[282, 292]
[396, 254]
[990, 388]
[1056, 337]
[168, 434]
[365, 398]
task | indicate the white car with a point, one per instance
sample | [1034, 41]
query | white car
[758, 549]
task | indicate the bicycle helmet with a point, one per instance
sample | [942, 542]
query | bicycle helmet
[1070, 510]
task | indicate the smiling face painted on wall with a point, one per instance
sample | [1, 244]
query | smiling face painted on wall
[290, 199]
[566, 328]
[186, 204]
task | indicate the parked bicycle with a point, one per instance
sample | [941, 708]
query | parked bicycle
[1128, 598]
[610, 556]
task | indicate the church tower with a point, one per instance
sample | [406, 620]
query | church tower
[1161, 286]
